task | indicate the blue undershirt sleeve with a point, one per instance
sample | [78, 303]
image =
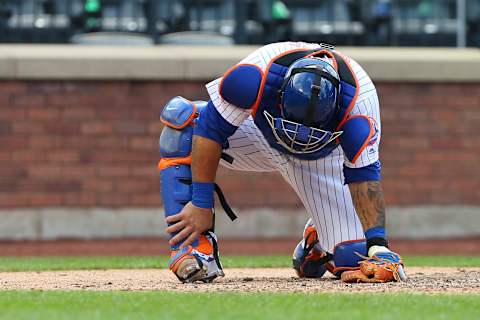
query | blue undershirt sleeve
[371, 172]
[213, 126]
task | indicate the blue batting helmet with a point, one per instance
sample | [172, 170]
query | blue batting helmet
[309, 101]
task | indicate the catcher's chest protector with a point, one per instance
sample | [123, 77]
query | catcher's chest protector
[268, 98]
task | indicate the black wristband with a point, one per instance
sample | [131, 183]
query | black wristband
[376, 242]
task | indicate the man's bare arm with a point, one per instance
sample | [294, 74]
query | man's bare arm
[369, 203]
[205, 158]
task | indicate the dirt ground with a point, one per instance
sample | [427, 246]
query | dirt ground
[421, 280]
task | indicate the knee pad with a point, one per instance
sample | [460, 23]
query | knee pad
[179, 115]
[347, 255]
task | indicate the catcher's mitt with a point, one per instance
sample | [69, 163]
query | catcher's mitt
[381, 267]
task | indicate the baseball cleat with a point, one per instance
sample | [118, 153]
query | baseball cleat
[199, 263]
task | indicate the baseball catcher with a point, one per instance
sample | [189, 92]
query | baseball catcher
[306, 111]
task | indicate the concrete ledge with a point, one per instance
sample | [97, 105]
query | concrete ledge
[63, 62]
[101, 223]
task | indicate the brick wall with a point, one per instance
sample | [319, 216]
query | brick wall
[74, 143]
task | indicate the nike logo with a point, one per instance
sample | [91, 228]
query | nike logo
[168, 108]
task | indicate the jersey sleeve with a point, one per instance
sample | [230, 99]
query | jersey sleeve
[230, 112]
[233, 114]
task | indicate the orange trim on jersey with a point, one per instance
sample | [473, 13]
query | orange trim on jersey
[231, 70]
[367, 141]
[264, 78]
[165, 163]
[354, 99]
[327, 53]
[189, 120]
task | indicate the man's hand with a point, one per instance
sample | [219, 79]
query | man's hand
[190, 223]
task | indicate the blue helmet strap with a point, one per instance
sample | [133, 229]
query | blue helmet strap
[315, 93]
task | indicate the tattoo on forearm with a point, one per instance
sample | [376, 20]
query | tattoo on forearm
[369, 203]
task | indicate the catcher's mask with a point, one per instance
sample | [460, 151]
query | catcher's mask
[309, 98]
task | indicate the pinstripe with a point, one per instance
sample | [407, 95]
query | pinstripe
[323, 231]
[343, 203]
[322, 199]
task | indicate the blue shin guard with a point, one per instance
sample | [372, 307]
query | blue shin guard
[199, 261]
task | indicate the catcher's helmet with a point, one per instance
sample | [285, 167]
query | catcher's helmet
[309, 100]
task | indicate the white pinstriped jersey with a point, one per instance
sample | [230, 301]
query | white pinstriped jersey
[318, 183]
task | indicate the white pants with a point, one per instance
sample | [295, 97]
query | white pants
[318, 183]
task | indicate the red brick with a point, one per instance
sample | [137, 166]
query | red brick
[77, 141]
[44, 141]
[39, 113]
[121, 157]
[85, 199]
[114, 171]
[113, 199]
[145, 170]
[129, 127]
[62, 186]
[27, 127]
[146, 143]
[136, 185]
[98, 185]
[144, 114]
[43, 170]
[28, 156]
[79, 171]
[111, 142]
[13, 86]
[45, 199]
[410, 143]
[12, 113]
[14, 200]
[445, 115]
[446, 143]
[155, 128]
[67, 101]
[8, 184]
[114, 89]
[147, 200]
[63, 128]
[77, 113]
[5, 156]
[46, 87]
[11, 142]
[96, 128]
[63, 156]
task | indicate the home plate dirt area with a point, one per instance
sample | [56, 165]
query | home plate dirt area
[421, 280]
